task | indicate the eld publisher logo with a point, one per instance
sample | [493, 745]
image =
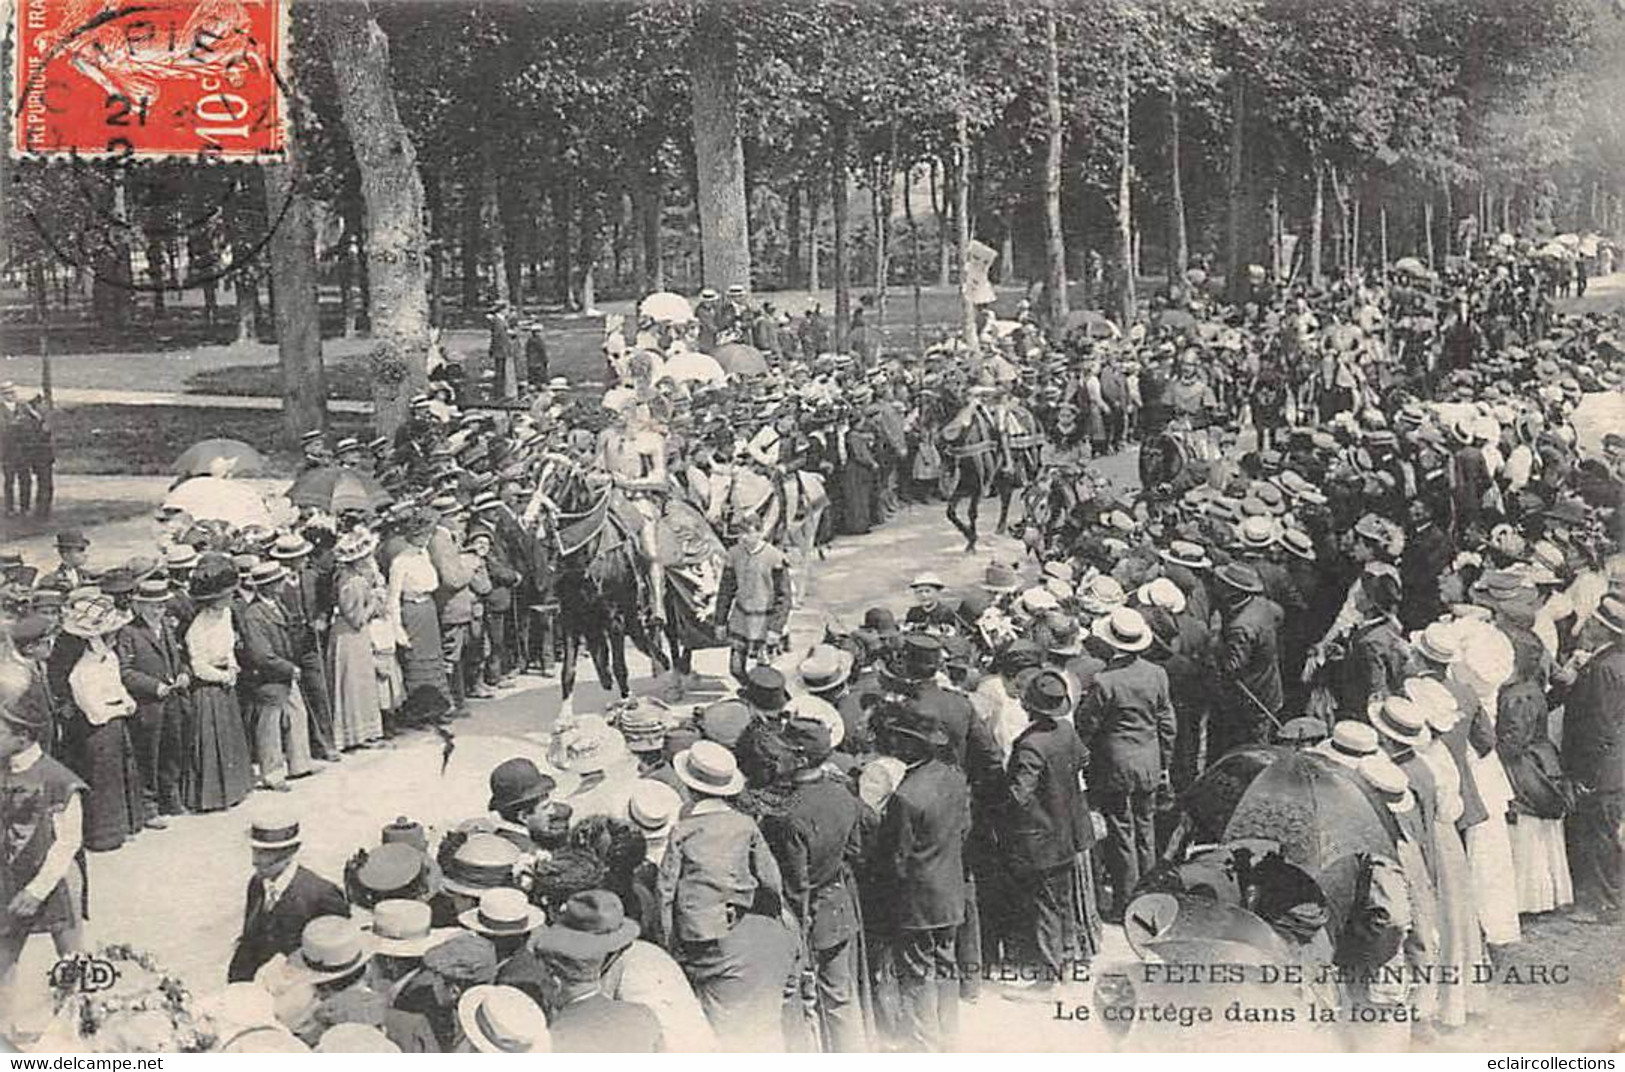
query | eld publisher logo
[84, 973]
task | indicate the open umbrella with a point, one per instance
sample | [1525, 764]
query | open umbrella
[1176, 319]
[213, 498]
[666, 308]
[1572, 241]
[738, 359]
[219, 457]
[1092, 325]
[694, 367]
[335, 488]
[1212, 798]
[1410, 265]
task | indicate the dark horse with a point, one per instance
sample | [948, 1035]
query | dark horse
[603, 591]
[986, 460]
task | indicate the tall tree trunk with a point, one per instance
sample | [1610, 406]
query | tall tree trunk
[967, 308]
[473, 242]
[1236, 193]
[247, 290]
[512, 237]
[1354, 235]
[885, 187]
[1317, 218]
[651, 191]
[592, 234]
[1178, 237]
[298, 313]
[838, 207]
[939, 206]
[1449, 220]
[792, 230]
[913, 257]
[813, 201]
[1125, 206]
[1054, 146]
[719, 155]
[563, 204]
[394, 195]
[491, 236]
[1427, 228]
[434, 202]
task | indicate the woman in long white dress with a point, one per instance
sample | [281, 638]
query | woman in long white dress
[1486, 664]
[357, 718]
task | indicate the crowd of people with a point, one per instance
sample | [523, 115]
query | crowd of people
[1373, 543]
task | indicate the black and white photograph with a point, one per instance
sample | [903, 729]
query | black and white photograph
[812, 526]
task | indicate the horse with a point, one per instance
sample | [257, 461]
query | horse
[991, 453]
[602, 595]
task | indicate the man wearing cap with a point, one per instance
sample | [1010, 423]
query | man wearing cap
[1594, 759]
[918, 859]
[270, 671]
[282, 897]
[41, 876]
[154, 670]
[816, 836]
[583, 1017]
[1247, 661]
[1128, 720]
[455, 567]
[1046, 825]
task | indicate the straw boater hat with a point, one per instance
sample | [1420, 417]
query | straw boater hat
[502, 1019]
[1438, 703]
[825, 668]
[1257, 533]
[1124, 629]
[709, 768]
[483, 862]
[502, 913]
[330, 947]
[1188, 554]
[355, 545]
[274, 830]
[1349, 743]
[1401, 719]
[928, 579]
[352, 1037]
[1610, 614]
[652, 807]
[1102, 594]
[1162, 593]
[403, 928]
[1389, 782]
[290, 546]
[1000, 578]
[264, 574]
[152, 590]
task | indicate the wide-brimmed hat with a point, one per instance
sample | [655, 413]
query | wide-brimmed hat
[502, 913]
[1046, 695]
[764, 689]
[214, 577]
[1610, 614]
[825, 668]
[330, 947]
[265, 573]
[1124, 629]
[403, 928]
[1399, 718]
[709, 768]
[1237, 577]
[93, 616]
[274, 830]
[482, 862]
[291, 545]
[999, 578]
[591, 926]
[517, 781]
[502, 1019]
[1188, 554]
[653, 807]
[355, 545]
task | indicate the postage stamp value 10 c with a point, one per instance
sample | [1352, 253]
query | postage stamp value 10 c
[162, 78]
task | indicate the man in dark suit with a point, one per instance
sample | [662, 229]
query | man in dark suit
[581, 1017]
[1046, 822]
[816, 835]
[1247, 660]
[303, 608]
[282, 898]
[271, 675]
[919, 856]
[1131, 729]
[154, 672]
[1594, 758]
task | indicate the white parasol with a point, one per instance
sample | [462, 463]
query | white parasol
[666, 308]
[213, 498]
[691, 366]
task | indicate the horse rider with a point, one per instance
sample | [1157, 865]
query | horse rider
[774, 452]
[632, 450]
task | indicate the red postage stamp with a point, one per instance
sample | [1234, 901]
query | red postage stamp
[154, 78]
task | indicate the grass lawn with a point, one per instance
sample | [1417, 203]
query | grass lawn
[123, 440]
[77, 514]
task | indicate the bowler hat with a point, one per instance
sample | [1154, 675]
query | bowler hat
[71, 540]
[517, 781]
[1046, 695]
